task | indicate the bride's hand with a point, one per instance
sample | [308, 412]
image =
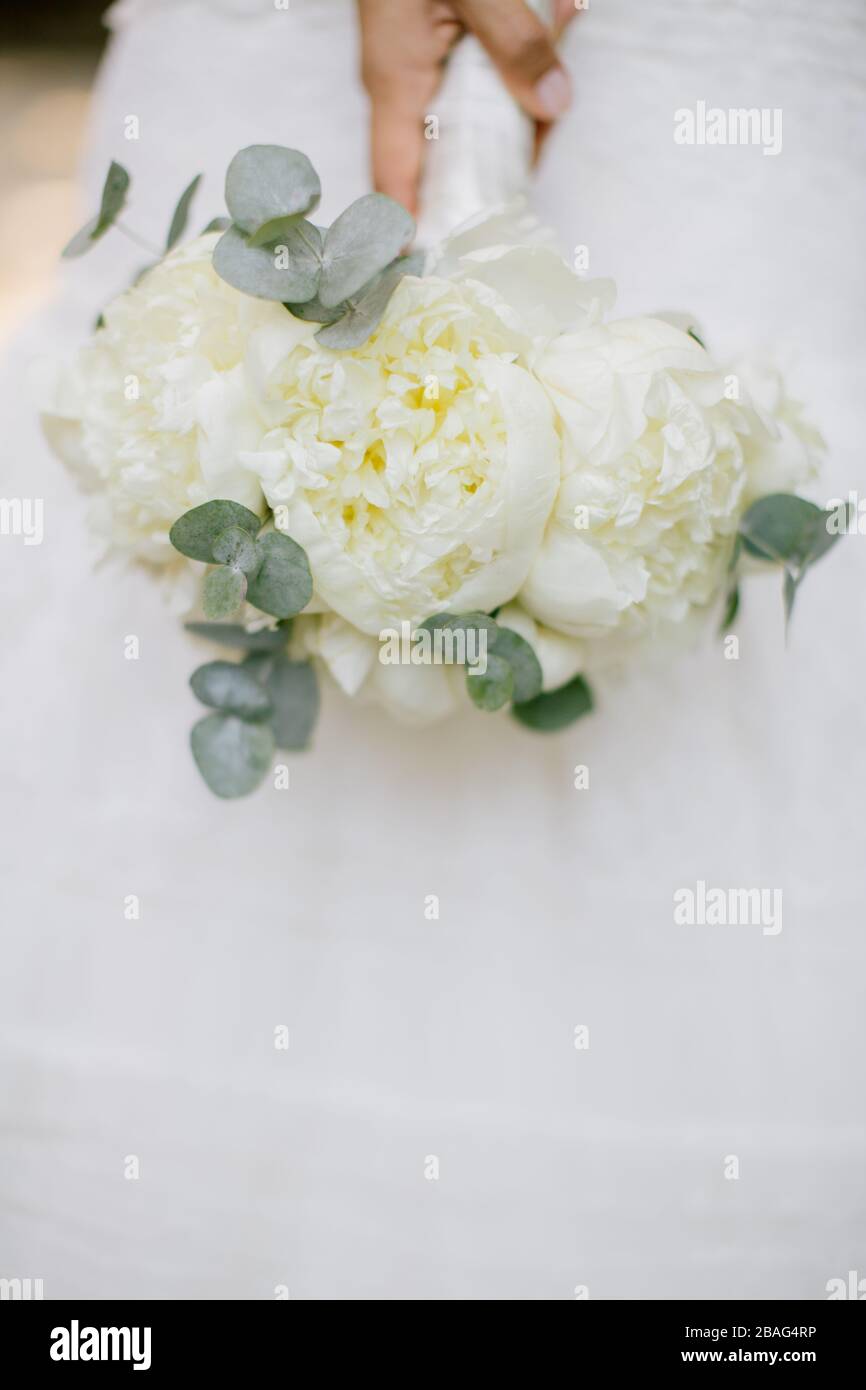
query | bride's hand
[404, 44]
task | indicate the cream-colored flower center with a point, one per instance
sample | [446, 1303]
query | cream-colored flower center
[400, 450]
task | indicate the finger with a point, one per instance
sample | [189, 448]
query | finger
[563, 14]
[400, 63]
[523, 51]
[542, 130]
[397, 144]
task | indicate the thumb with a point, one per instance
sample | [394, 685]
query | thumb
[523, 51]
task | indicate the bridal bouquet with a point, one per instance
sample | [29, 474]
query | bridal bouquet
[445, 480]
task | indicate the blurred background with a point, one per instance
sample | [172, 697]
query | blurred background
[48, 56]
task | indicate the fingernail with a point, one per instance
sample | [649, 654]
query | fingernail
[553, 92]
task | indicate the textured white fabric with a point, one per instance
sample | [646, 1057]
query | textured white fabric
[481, 142]
[455, 1037]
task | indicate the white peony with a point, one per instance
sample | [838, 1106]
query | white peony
[417, 472]
[661, 453]
[783, 449]
[153, 414]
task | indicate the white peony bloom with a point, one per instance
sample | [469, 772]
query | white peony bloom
[417, 472]
[154, 413]
[509, 252]
[782, 449]
[658, 464]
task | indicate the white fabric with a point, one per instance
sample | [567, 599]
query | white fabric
[305, 907]
[480, 141]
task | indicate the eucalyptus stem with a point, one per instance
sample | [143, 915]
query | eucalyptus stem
[139, 241]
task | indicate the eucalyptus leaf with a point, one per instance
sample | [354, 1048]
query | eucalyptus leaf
[288, 271]
[217, 224]
[232, 755]
[259, 664]
[556, 709]
[223, 592]
[194, 533]
[314, 311]
[181, 214]
[237, 548]
[114, 192]
[789, 593]
[524, 664]
[363, 314]
[494, 687]
[237, 637]
[282, 584]
[786, 530]
[363, 240]
[230, 688]
[462, 622]
[266, 182]
[275, 231]
[732, 608]
[84, 238]
[294, 692]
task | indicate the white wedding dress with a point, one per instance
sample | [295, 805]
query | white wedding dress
[309, 1169]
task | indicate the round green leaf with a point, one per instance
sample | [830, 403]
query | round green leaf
[266, 182]
[259, 664]
[363, 240]
[223, 592]
[314, 311]
[231, 755]
[282, 585]
[363, 314]
[462, 622]
[277, 231]
[268, 639]
[194, 533]
[287, 271]
[492, 689]
[524, 664]
[556, 709]
[231, 688]
[294, 693]
[786, 530]
[237, 548]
